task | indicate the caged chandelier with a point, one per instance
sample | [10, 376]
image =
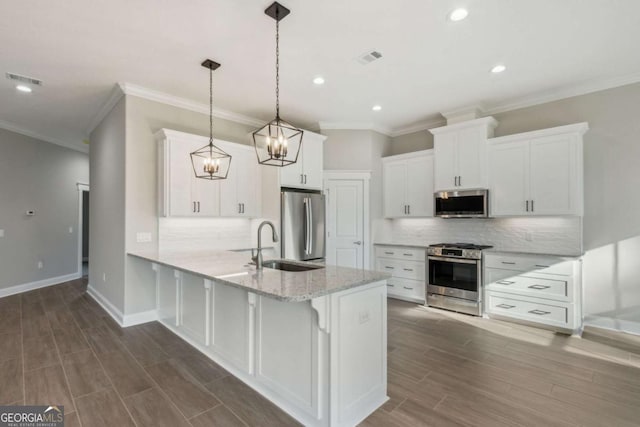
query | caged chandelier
[277, 143]
[210, 162]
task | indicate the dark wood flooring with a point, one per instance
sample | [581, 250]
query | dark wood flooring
[58, 346]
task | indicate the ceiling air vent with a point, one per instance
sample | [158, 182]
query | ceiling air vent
[368, 57]
[24, 79]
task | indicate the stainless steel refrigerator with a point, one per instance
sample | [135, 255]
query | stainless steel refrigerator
[302, 225]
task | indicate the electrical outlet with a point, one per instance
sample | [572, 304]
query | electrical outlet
[104, 277]
[40, 265]
[1, 233]
[70, 230]
[529, 236]
[143, 237]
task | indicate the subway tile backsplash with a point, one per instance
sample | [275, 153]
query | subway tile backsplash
[548, 235]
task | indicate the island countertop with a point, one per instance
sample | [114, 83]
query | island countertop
[233, 269]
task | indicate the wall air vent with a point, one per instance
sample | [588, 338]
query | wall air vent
[369, 56]
[24, 79]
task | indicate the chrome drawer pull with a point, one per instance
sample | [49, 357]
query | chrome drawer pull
[539, 312]
[508, 263]
[390, 285]
[539, 287]
[507, 306]
[542, 266]
[389, 253]
[408, 269]
[505, 282]
[407, 254]
[409, 289]
[389, 268]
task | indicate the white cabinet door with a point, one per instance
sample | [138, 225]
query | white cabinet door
[553, 175]
[445, 155]
[179, 176]
[509, 178]
[395, 181]
[239, 196]
[292, 175]
[419, 186]
[471, 158]
[312, 162]
[206, 194]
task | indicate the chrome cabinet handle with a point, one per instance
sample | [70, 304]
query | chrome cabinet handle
[407, 288]
[305, 178]
[388, 268]
[532, 208]
[239, 208]
[408, 269]
[539, 287]
[389, 253]
[505, 282]
[359, 242]
[459, 181]
[409, 209]
[407, 254]
[527, 206]
[194, 207]
[390, 285]
[506, 306]
[301, 179]
[198, 206]
[508, 262]
[542, 266]
[539, 312]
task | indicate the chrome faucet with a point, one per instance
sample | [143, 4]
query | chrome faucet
[257, 258]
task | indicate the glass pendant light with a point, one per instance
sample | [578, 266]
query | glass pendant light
[277, 143]
[210, 162]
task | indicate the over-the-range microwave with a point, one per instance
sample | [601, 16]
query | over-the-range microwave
[462, 204]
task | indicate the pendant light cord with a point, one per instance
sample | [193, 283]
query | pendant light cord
[277, 68]
[211, 110]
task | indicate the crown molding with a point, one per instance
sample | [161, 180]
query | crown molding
[114, 97]
[489, 122]
[35, 135]
[186, 104]
[580, 128]
[419, 126]
[556, 94]
[354, 126]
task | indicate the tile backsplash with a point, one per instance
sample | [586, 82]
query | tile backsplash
[182, 234]
[551, 235]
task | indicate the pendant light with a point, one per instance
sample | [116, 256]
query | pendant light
[210, 162]
[277, 143]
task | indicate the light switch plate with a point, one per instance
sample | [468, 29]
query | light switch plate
[1, 233]
[143, 237]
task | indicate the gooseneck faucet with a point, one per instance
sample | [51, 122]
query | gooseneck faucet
[258, 257]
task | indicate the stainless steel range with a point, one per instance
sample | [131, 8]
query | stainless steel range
[455, 277]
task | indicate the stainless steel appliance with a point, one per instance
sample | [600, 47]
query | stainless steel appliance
[302, 217]
[455, 277]
[462, 204]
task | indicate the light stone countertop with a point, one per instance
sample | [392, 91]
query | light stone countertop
[232, 268]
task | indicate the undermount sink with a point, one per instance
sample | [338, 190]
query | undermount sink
[289, 266]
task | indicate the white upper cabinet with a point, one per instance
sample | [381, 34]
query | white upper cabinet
[460, 154]
[408, 185]
[537, 173]
[307, 171]
[182, 194]
[240, 192]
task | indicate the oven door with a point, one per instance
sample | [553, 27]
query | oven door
[455, 277]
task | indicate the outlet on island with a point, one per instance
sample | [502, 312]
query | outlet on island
[40, 265]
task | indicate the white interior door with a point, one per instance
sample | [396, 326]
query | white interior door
[345, 235]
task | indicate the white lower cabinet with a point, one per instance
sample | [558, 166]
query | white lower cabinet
[314, 359]
[407, 267]
[542, 289]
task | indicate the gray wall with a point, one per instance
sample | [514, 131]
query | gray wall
[85, 225]
[37, 175]
[107, 206]
[417, 141]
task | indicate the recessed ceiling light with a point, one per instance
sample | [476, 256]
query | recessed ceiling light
[458, 14]
[23, 88]
[376, 108]
[318, 80]
[498, 69]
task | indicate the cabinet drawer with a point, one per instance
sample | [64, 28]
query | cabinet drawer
[519, 308]
[404, 269]
[525, 263]
[407, 288]
[396, 252]
[388, 265]
[525, 285]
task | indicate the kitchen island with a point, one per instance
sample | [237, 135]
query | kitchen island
[313, 342]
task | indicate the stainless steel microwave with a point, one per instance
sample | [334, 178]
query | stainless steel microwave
[462, 204]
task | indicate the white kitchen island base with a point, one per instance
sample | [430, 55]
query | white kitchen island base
[323, 360]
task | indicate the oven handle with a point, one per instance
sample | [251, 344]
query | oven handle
[456, 260]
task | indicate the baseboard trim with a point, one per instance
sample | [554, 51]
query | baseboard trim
[613, 324]
[25, 287]
[123, 320]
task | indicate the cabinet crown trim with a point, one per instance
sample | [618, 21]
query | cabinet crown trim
[410, 155]
[579, 128]
[173, 135]
[490, 122]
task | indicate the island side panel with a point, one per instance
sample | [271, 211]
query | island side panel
[358, 360]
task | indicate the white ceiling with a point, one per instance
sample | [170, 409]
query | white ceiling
[81, 48]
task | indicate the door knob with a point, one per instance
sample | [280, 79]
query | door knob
[359, 242]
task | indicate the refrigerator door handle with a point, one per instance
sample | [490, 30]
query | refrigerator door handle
[306, 225]
[310, 225]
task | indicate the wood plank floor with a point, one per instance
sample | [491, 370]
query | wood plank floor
[57, 346]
